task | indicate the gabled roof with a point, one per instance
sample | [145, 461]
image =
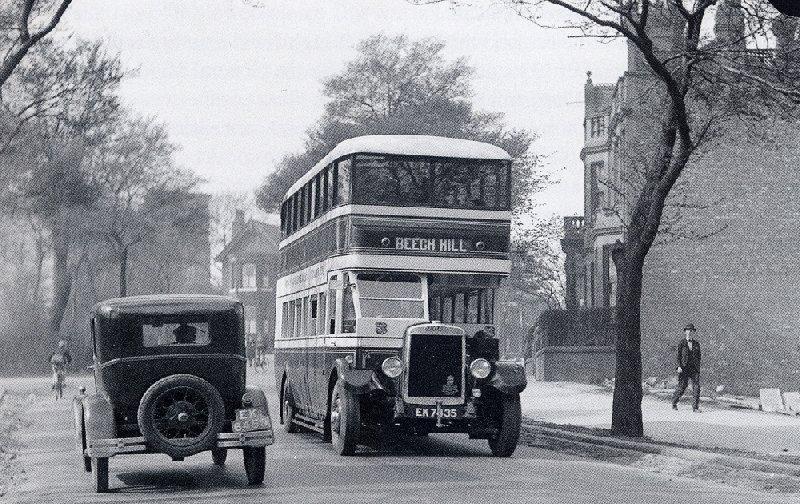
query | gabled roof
[406, 145]
[256, 237]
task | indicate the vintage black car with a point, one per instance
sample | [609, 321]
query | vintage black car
[170, 378]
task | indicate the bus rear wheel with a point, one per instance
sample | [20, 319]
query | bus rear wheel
[345, 418]
[287, 409]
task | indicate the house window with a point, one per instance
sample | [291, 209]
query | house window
[597, 126]
[248, 276]
[595, 194]
[250, 322]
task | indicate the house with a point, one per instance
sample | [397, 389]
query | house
[724, 259]
[250, 262]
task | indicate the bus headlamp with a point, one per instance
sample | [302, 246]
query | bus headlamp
[480, 368]
[392, 367]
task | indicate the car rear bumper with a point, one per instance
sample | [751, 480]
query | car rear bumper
[118, 446]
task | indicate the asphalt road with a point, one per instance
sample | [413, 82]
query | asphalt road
[302, 469]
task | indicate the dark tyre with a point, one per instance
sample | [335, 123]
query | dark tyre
[219, 456]
[345, 415]
[287, 409]
[510, 421]
[80, 433]
[181, 415]
[100, 474]
[254, 464]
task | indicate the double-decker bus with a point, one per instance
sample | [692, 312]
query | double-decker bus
[393, 248]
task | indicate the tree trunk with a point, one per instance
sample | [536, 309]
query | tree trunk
[123, 272]
[626, 413]
[62, 279]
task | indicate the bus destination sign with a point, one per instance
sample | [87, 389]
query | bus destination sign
[436, 244]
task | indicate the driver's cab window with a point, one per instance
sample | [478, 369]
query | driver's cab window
[462, 299]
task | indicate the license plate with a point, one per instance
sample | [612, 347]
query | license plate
[431, 412]
[250, 419]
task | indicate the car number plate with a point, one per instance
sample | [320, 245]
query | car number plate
[431, 412]
[250, 419]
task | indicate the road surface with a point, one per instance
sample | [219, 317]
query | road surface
[303, 469]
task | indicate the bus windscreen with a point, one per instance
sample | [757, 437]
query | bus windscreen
[390, 295]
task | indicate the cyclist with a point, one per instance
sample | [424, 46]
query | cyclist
[59, 360]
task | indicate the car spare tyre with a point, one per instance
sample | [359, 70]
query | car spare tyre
[181, 415]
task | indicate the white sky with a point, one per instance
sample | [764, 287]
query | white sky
[238, 86]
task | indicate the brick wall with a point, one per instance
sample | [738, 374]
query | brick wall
[740, 286]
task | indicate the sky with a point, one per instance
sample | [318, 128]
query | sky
[238, 82]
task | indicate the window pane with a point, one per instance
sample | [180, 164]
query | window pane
[389, 285]
[333, 183]
[325, 197]
[313, 309]
[331, 311]
[447, 310]
[343, 182]
[472, 307]
[172, 334]
[398, 180]
[392, 308]
[321, 314]
[348, 311]
[248, 276]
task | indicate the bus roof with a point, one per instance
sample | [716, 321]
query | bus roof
[406, 145]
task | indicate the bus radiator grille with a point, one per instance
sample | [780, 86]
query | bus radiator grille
[435, 367]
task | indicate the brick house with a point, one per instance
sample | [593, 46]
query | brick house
[249, 267]
[725, 258]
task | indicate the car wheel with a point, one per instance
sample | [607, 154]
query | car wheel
[345, 415]
[219, 455]
[100, 474]
[255, 464]
[181, 415]
[287, 411]
[510, 422]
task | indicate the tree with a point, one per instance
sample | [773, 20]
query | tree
[702, 85]
[53, 108]
[139, 185]
[399, 86]
[17, 20]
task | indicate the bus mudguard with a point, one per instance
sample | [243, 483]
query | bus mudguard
[98, 416]
[359, 381]
[508, 378]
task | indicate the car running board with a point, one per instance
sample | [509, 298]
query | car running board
[308, 423]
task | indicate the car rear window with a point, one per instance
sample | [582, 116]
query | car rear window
[192, 333]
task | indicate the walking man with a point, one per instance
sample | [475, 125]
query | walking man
[688, 367]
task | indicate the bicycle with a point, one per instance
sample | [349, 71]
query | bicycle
[58, 385]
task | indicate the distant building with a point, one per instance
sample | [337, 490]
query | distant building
[724, 258]
[250, 263]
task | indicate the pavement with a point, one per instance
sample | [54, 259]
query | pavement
[717, 426]
[302, 469]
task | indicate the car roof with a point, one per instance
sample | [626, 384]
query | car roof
[166, 304]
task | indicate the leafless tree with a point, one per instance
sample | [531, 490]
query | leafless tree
[137, 181]
[746, 73]
[23, 23]
[703, 84]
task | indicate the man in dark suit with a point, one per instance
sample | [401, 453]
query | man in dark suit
[688, 367]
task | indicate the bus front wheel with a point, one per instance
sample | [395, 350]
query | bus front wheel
[345, 418]
[510, 422]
